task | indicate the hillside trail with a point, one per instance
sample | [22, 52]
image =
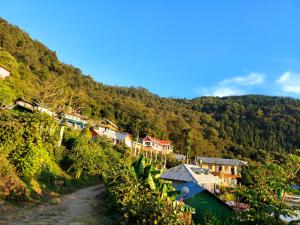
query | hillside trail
[79, 208]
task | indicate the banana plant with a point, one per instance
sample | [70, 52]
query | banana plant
[148, 174]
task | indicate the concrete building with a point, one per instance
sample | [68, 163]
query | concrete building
[228, 170]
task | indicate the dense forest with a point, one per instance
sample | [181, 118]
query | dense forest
[243, 126]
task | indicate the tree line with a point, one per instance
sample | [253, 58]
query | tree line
[248, 127]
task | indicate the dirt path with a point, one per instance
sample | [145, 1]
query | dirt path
[78, 208]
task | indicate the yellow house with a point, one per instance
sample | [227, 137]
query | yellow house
[228, 170]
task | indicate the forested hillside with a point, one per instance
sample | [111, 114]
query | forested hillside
[245, 126]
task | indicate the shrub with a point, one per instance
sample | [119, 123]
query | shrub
[143, 198]
[11, 186]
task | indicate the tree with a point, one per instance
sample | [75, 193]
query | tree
[52, 93]
[144, 198]
[266, 189]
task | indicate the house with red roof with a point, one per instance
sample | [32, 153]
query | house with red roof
[156, 144]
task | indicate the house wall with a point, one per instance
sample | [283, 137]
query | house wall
[204, 202]
[45, 110]
[225, 168]
[128, 141]
[113, 135]
[25, 105]
[157, 146]
[74, 125]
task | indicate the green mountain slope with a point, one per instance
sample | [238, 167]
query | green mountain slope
[245, 126]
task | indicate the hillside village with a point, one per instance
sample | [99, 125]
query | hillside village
[206, 175]
[200, 180]
[204, 185]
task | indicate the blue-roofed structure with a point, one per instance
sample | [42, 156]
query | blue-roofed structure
[297, 187]
[203, 202]
[193, 189]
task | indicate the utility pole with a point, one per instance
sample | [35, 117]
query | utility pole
[187, 143]
[61, 134]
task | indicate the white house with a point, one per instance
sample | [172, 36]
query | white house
[74, 122]
[187, 172]
[34, 107]
[157, 144]
[115, 136]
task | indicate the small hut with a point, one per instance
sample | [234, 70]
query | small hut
[203, 201]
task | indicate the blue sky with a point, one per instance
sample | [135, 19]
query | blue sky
[173, 48]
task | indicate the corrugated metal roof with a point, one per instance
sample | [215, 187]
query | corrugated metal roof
[110, 133]
[221, 161]
[179, 173]
[187, 172]
[161, 142]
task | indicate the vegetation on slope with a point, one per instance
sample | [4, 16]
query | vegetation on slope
[32, 164]
[245, 127]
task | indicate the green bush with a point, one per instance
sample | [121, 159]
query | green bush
[143, 198]
[11, 187]
[90, 157]
[28, 142]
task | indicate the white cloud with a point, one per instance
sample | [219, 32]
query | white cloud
[250, 79]
[233, 86]
[226, 91]
[290, 82]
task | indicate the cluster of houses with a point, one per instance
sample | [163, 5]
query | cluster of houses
[104, 128]
[199, 183]
[210, 173]
[110, 130]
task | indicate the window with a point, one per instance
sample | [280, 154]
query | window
[232, 170]
[209, 166]
[226, 168]
[220, 168]
[147, 143]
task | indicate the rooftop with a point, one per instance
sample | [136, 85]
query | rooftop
[161, 142]
[187, 172]
[222, 161]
